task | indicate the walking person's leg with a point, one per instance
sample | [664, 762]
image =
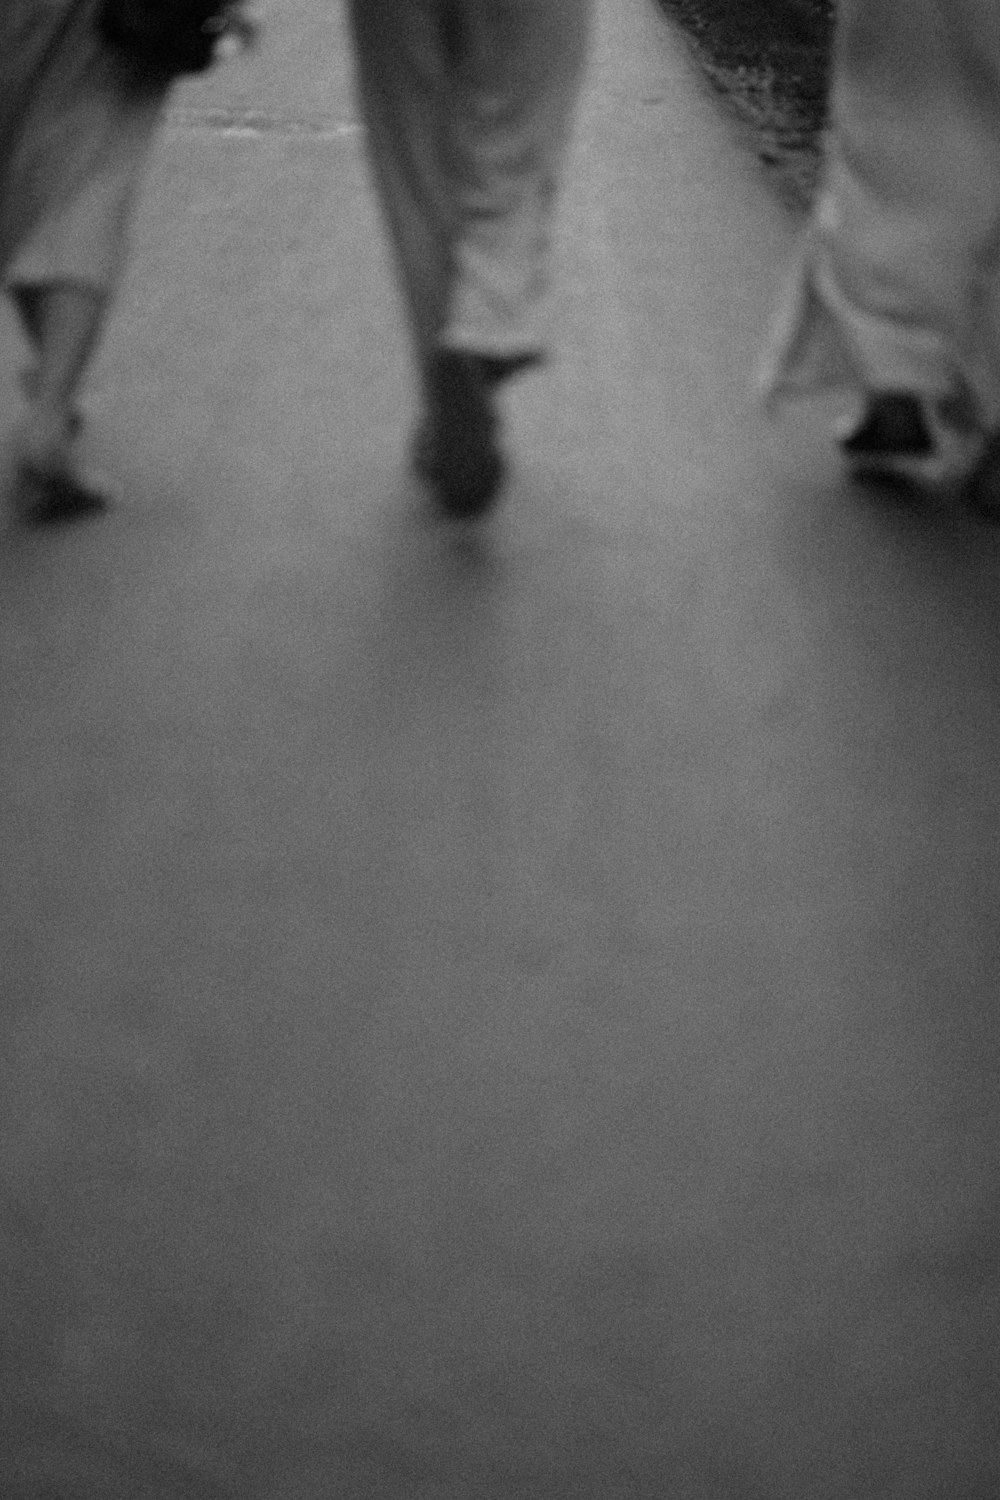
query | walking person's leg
[63, 321]
[402, 78]
[516, 89]
[74, 152]
[468, 106]
[517, 73]
[887, 298]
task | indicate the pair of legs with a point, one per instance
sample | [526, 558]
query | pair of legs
[897, 292]
[77, 126]
[468, 106]
[63, 322]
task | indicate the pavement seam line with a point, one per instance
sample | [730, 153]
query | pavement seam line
[260, 123]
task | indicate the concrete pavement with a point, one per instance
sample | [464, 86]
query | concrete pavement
[509, 1018]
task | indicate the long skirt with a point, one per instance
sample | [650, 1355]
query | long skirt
[468, 106]
[76, 128]
[897, 282]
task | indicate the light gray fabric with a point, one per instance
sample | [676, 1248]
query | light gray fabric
[896, 285]
[75, 131]
[468, 107]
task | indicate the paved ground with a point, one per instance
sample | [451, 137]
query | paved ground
[502, 1020]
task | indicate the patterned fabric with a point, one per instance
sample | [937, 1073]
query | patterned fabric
[896, 284]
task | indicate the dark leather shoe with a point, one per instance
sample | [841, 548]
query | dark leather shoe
[42, 498]
[455, 449]
[915, 443]
[893, 423]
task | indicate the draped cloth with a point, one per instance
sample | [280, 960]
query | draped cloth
[76, 128]
[468, 106]
[896, 285]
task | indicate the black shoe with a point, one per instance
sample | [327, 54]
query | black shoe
[49, 499]
[891, 434]
[913, 443]
[455, 450]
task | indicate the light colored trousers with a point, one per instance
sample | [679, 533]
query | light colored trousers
[468, 106]
[898, 280]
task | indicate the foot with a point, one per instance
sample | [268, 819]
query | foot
[46, 484]
[455, 449]
[911, 442]
[46, 497]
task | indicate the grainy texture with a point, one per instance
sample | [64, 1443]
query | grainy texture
[509, 1015]
[769, 60]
